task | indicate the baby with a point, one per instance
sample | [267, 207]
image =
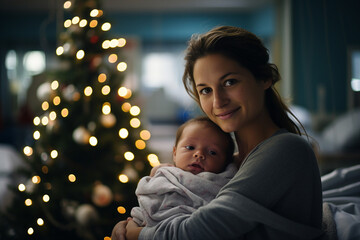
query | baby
[203, 156]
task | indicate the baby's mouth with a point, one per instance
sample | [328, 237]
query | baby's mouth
[196, 168]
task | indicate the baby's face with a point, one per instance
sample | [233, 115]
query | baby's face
[200, 148]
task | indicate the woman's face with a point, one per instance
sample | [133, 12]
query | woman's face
[228, 93]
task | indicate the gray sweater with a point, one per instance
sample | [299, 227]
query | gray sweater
[276, 194]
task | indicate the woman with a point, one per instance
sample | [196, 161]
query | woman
[276, 194]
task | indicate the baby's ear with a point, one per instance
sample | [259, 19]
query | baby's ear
[174, 154]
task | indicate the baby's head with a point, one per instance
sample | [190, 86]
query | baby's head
[201, 146]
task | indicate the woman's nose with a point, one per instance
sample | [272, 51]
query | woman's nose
[220, 99]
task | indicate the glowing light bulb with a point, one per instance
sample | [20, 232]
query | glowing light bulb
[135, 122]
[54, 85]
[126, 107]
[30, 231]
[75, 20]
[36, 135]
[36, 179]
[129, 156]
[40, 221]
[54, 154]
[123, 178]
[93, 141]
[106, 108]
[114, 43]
[145, 135]
[121, 210]
[45, 120]
[153, 160]
[64, 112]
[83, 23]
[52, 115]
[123, 133]
[122, 91]
[59, 50]
[80, 54]
[28, 151]
[105, 90]
[106, 26]
[106, 44]
[67, 4]
[88, 91]
[134, 110]
[22, 187]
[94, 13]
[72, 178]
[67, 23]
[28, 202]
[93, 23]
[140, 144]
[121, 67]
[36, 121]
[45, 105]
[56, 100]
[46, 198]
[102, 77]
[121, 42]
[112, 58]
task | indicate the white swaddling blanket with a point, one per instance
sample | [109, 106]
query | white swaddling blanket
[172, 192]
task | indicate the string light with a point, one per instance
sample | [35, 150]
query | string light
[28, 202]
[28, 151]
[123, 178]
[40, 221]
[30, 231]
[45, 120]
[36, 135]
[80, 54]
[145, 135]
[129, 156]
[121, 67]
[140, 144]
[106, 26]
[36, 179]
[59, 50]
[54, 154]
[121, 42]
[88, 91]
[36, 121]
[94, 13]
[105, 90]
[22, 187]
[121, 210]
[75, 20]
[54, 85]
[83, 23]
[64, 112]
[67, 23]
[46, 198]
[67, 4]
[93, 23]
[112, 58]
[153, 160]
[102, 77]
[122, 91]
[52, 115]
[107, 238]
[72, 178]
[126, 107]
[128, 94]
[135, 122]
[134, 110]
[106, 108]
[45, 105]
[123, 133]
[56, 100]
[93, 141]
[114, 43]
[105, 44]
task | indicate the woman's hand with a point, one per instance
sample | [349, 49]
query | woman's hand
[119, 231]
[154, 169]
[132, 230]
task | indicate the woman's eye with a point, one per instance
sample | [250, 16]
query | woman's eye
[189, 147]
[205, 91]
[229, 82]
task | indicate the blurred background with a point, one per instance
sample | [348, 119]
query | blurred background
[315, 44]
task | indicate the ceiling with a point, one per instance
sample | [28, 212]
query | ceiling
[142, 5]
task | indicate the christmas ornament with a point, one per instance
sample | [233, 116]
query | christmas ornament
[81, 135]
[102, 195]
[86, 214]
[108, 120]
[43, 91]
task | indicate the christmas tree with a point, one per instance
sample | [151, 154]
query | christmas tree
[90, 148]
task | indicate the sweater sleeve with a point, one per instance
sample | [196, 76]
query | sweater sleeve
[250, 201]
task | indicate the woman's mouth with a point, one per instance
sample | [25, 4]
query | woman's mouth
[227, 115]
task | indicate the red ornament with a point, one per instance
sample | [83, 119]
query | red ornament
[94, 39]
